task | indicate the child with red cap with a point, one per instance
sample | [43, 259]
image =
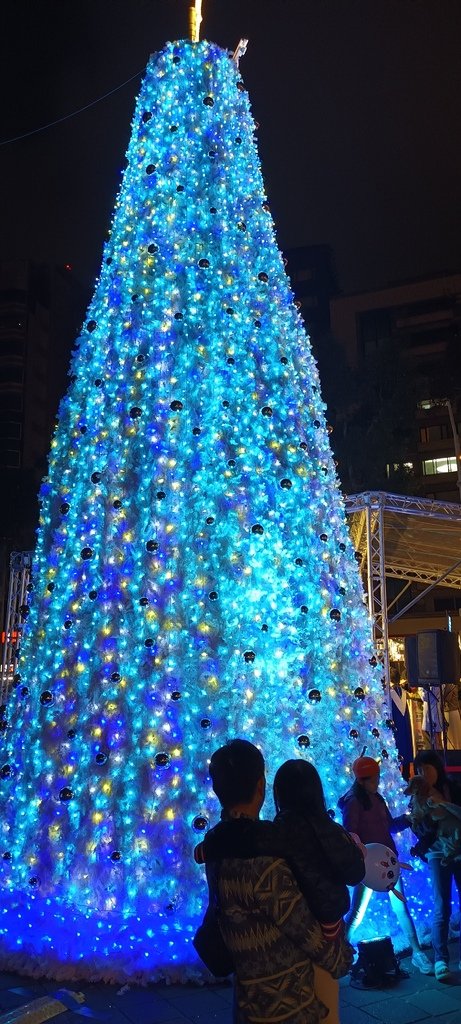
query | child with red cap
[366, 813]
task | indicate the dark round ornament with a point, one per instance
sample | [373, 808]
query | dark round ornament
[34, 882]
[24, 610]
[373, 661]
[324, 537]
[91, 325]
[240, 86]
[17, 678]
[66, 794]
[67, 623]
[357, 556]
[161, 495]
[143, 601]
[50, 587]
[342, 547]
[209, 520]
[304, 609]
[317, 424]
[264, 628]
[335, 614]
[64, 508]
[176, 59]
[176, 405]
[152, 248]
[46, 699]
[200, 823]
[231, 361]
[225, 404]
[266, 411]
[101, 757]
[204, 264]
[241, 225]
[213, 209]
[162, 760]
[230, 311]
[359, 694]
[286, 484]
[6, 855]
[146, 116]
[176, 695]
[86, 553]
[115, 677]
[180, 188]
[257, 324]
[116, 504]
[178, 316]
[354, 734]
[71, 734]
[115, 856]
[173, 127]
[257, 528]
[314, 696]
[134, 298]
[150, 169]
[24, 691]
[152, 545]
[384, 754]
[263, 277]
[303, 445]
[196, 431]
[342, 591]
[205, 723]
[6, 771]
[303, 741]
[299, 561]
[249, 656]
[3, 724]
[149, 642]
[231, 463]
[375, 732]
[238, 141]
[208, 101]
[93, 595]
[98, 382]
[135, 412]
[213, 595]
[284, 362]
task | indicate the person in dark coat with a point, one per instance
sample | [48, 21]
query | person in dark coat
[323, 857]
[365, 812]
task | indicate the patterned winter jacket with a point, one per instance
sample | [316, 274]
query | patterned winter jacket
[269, 929]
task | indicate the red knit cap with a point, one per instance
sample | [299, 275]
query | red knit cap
[365, 767]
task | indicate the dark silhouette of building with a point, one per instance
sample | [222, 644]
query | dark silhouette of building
[41, 308]
[313, 278]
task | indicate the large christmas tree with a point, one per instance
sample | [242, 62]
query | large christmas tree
[193, 578]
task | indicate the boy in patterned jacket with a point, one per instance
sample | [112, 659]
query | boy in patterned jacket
[266, 924]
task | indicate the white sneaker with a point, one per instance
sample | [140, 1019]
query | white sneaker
[442, 970]
[422, 962]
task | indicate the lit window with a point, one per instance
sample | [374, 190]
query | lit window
[445, 465]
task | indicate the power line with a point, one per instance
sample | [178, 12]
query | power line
[51, 124]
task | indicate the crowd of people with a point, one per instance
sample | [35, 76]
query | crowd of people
[280, 889]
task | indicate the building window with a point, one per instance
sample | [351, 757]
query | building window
[436, 432]
[444, 465]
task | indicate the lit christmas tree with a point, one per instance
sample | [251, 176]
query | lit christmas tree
[193, 579]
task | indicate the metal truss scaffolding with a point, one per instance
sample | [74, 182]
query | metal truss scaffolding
[412, 539]
[20, 571]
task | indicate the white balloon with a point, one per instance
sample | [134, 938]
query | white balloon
[382, 867]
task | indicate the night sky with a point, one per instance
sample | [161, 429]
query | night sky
[359, 105]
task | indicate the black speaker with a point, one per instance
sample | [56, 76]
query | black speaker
[453, 760]
[437, 657]
[411, 660]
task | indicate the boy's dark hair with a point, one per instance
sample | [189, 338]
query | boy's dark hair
[298, 787]
[235, 770]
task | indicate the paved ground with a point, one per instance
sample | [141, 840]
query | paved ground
[417, 998]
